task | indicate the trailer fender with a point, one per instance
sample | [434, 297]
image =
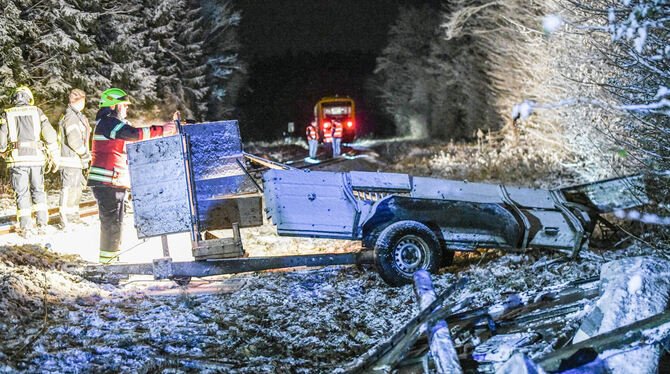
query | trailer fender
[457, 224]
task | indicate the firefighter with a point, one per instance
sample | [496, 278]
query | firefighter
[312, 139]
[337, 138]
[108, 176]
[24, 129]
[328, 133]
[74, 132]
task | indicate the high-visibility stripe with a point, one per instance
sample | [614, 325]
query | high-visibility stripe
[22, 109]
[116, 128]
[40, 207]
[24, 212]
[32, 144]
[146, 133]
[100, 178]
[101, 171]
[70, 162]
[108, 256]
[100, 137]
[38, 157]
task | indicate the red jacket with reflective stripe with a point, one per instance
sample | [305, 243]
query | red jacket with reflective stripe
[337, 129]
[109, 165]
[312, 134]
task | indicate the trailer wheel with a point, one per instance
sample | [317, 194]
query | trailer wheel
[403, 248]
[370, 239]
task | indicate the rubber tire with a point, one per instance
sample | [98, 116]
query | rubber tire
[389, 238]
[370, 239]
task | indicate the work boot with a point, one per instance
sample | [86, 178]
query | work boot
[27, 233]
[23, 233]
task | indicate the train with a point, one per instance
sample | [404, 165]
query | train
[340, 109]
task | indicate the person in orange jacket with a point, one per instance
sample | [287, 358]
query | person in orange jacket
[337, 138]
[312, 139]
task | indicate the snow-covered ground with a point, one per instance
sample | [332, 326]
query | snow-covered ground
[302, 321]
[310, 320]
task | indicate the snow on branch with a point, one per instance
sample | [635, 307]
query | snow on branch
[525, 109]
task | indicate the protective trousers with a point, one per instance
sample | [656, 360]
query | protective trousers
[28, 185]
[70, 194]
[313, 146]
[336, 146]
[110, 209]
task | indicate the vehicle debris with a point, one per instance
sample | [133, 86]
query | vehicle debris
[439, 339]
[533, 333]
[417, 223]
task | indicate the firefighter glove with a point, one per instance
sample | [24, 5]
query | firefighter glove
[86, 160]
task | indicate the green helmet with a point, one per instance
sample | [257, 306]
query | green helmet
[23, 91]
[112, 97]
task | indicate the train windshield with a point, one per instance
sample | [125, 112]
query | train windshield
[337, 109]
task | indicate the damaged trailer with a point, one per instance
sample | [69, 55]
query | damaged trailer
[197, 182]
[417, 223]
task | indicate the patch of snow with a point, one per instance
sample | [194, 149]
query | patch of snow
[631, 289]
[551, 23]
[662, 92]
[634, 284]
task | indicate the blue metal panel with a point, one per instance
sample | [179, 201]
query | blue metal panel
[159, 187]
[215, 149]
[310, 203]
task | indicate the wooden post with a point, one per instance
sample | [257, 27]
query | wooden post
[441, 346]
[166, 249]
[236, 233]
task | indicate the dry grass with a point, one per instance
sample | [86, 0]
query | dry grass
[500, 157]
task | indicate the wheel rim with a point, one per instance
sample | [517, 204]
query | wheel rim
[410, 254]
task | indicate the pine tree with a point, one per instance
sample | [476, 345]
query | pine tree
[404, 78]
[226, 72]
[166, 54]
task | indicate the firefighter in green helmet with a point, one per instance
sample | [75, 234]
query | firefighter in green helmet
[24, 132]
[108, 177]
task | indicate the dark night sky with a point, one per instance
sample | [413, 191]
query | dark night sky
[275, 27]
[302, 50]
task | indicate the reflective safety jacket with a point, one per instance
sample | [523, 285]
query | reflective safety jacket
[73, 134]
[23, 131]
[337, 129]
[110, 160]
[312, 134]
[328, 134]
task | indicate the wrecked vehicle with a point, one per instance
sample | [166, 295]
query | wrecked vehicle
[417, 223]
[198, 181]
